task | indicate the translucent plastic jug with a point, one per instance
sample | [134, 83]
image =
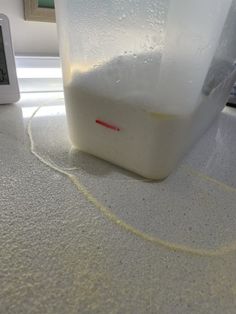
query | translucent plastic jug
[143, 79]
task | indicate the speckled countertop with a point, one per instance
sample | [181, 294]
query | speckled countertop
[78, 235]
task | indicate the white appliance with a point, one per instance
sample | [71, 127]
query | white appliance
[9, 90]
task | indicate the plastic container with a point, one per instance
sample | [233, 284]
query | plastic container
[143, 79]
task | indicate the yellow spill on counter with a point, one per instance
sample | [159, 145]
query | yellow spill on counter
[220, 251]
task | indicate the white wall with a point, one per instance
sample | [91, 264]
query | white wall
[29, 38]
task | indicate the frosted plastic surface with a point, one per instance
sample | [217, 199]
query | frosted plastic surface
[160, 71]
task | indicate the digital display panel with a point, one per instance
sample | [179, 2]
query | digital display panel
[4, 78]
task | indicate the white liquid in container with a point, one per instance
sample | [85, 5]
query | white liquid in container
[118, 119]
[140, 90]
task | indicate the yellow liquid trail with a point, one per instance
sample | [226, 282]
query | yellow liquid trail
[223, 250]
[222, 185]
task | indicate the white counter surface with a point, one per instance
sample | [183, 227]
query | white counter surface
[98, 239]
